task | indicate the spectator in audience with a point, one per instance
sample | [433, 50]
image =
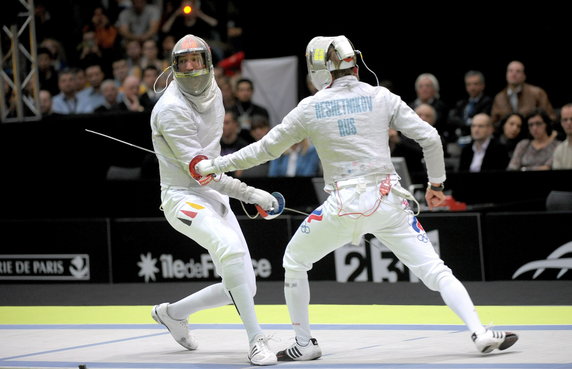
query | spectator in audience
[67, 102]
[80, 80]
[46, 72]
[130, 95]
[563, 152]
[511, 131]
[519, 96]
[59, 59]
[461, 116]
[106, 34]
[195, 22]
[149, 98]
[112, 102]
[259, 127]
[429, 114]
[167, 47]
[245, 109]
[228, 98]
[484, 153]
[536, 153]
[89, 52]
[140, 22]
[427, 90]
[134, 57]
[92, 96]
[151, 56]
[45, 103]
[120, 69]
[300, 160]
[230, 141]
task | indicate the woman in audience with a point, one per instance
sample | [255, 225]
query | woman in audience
[511, 131]
[535, 153]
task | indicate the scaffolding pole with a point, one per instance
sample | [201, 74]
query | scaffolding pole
[19, 80]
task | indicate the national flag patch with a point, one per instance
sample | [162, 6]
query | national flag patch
[316, 215]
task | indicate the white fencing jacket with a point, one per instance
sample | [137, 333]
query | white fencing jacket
[348, 124]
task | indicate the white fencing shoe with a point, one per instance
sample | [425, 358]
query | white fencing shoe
[179, 328]
[297, 352]
[492, 340]
[260, 353]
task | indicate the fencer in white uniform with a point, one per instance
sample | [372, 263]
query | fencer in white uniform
[187, 121]
[348, 123]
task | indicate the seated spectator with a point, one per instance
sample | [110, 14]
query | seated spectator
[511, 131]
[120, 69]
[460, 117]
[130, 95]
[112, 101]
[563, 152]
[300, 160]
[89, 52]
[92, 96]
[149, 98]
[228, 99]
[195, 22]
[259, 127]
[429, 114]
[519, 96]
[45, 103]
[80, 80]
[67, 101]
[230, 141]
[244, 108]
[47, 74]
[59, 60]
[484, 153]
[134, 56]
[427, 90]
[151, 56]
[140, 22]
[106, 34]
[167, 46]
[536, 153]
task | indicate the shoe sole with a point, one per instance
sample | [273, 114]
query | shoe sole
[508, 341]
[282, 356]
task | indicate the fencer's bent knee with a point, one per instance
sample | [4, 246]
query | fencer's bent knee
[294, 267]
[432, 273]
[233, 274]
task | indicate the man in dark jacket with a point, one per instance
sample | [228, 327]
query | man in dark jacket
[484, 153]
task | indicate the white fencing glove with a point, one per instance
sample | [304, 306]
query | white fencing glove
[205, 167]
[262, 198]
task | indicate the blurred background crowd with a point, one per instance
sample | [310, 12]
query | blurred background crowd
[108, 56]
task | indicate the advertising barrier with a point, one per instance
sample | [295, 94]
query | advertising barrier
[55, 251]
[496, 246]
[528, 246]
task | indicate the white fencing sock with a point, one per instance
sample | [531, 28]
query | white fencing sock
[297, 293]
[457, 298]
[207, 298]
[235, 282]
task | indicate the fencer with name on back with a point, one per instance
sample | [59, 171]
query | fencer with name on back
[348, 122]
[187, 122]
